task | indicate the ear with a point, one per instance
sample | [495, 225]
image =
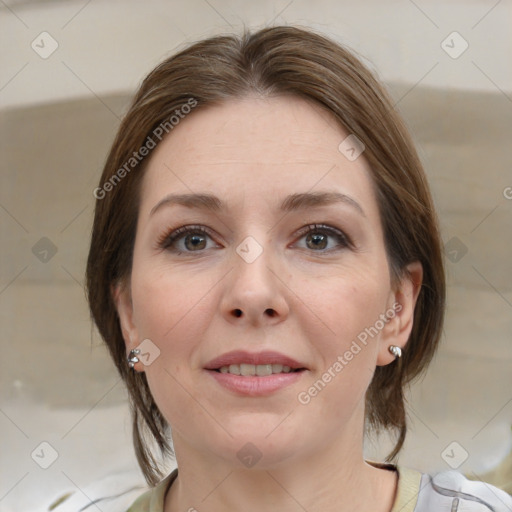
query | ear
[121, 295]
[400, 313]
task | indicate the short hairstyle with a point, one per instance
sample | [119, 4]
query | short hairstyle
[273, 61]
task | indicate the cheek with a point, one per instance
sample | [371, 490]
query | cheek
[169, 310]
[348, 308]
[347, 359]
[345, 305]
[175, 310]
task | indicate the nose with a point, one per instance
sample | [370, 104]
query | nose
[254, 293]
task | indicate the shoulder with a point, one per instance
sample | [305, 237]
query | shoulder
[116, 493]
[153, 500]
[142, 503]
[112, 493]
[451, 490]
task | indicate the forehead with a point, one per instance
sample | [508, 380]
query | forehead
[259, 146]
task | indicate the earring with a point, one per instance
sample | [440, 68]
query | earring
[132, 357]
[396, 351]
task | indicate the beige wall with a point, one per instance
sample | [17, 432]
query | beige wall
[107, 46]
[56, 381]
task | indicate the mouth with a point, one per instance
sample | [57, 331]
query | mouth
[258, 370]
[260, 364]
[255, 374]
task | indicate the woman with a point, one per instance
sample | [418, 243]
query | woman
[266, 269]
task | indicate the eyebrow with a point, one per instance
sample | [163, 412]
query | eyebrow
[293, 202]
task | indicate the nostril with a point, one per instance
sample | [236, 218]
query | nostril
[238, 313]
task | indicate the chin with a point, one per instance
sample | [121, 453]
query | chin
[259, 442]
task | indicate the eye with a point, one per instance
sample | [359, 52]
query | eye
[188, 239]
[317, 238]
[185, 239]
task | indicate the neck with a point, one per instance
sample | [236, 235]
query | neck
[337, 478]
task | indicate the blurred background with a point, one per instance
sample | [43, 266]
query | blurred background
[67, 72]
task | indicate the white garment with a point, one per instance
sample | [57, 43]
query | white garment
[451, 491]
[447, 491]
[114, 493]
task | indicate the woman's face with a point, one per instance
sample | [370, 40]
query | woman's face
[252, 276]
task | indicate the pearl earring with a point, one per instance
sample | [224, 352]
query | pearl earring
[396, 351]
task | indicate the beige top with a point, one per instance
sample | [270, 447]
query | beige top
[406, 496]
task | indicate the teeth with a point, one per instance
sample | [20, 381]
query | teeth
[261, 370]
[234, 369]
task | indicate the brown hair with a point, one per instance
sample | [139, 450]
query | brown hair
[273, 61]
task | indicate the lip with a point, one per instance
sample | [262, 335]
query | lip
[255, 385]
[265, 357]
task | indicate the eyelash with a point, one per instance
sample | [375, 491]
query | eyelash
[167, 240]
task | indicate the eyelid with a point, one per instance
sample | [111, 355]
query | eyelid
[331, 230]
[173, 235]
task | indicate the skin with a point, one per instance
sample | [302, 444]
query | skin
[252, 153]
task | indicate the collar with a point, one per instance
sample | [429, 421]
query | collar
[405, 500]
